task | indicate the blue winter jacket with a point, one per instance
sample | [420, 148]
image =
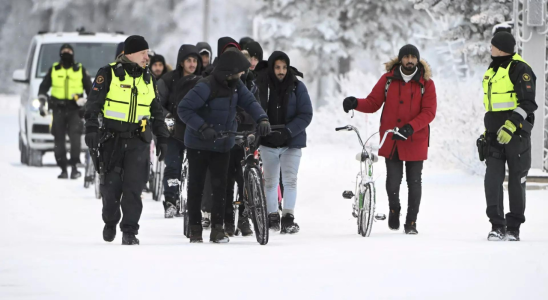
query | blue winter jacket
[219, 112]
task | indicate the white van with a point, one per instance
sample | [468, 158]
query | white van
[93, 50]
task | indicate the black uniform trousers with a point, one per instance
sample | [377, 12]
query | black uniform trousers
[67, 120]
[128, 163]
[235, 175]
[172, 172]
[517, 154]
[199, 162]
[394, 175]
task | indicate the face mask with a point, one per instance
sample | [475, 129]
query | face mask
[67, 58]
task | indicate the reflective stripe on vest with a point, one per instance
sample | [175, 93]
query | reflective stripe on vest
[128, 100]
[498, 89]
[66, 83]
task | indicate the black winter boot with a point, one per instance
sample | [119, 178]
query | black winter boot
[75, 174]
[244, 226]
[230, 229]
[410, 228]
[512, 234]
[169, 207]
[63, 175]
[218, 234]
[394, 218]
[289, 225]
[109, 233]
[274, 221]
[196, 234]
[497, 233]
[129, 238]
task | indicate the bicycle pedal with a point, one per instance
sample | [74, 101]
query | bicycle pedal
[348, 194]
[380, 217]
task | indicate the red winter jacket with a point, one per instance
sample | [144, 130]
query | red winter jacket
[404, 104]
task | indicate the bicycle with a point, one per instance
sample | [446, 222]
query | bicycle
[363, 207]
[90, 176]
[182, 207]
[254, 196]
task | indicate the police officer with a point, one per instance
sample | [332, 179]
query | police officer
[124, 93]
[509, 99]
[67, 81]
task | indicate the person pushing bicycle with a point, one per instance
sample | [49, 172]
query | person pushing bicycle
[409, 97]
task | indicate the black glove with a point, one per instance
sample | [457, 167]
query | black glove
[263, 129]
[279, 137]
[208, 133]
[43, 100]
[92, 140]
[161, 150]
[406, 131]
[350, 103]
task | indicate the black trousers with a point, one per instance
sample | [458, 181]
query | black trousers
[517, 154]
[66, 120]
[199, 162]
[394, 175]
[235, 175]
[172, 172]
[128, 163]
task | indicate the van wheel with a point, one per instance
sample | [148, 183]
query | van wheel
[34, 157]
[23, 150]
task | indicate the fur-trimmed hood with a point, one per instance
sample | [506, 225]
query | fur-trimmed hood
[424, 67]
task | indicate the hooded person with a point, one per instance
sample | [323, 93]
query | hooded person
[208, 109]
[244, 41]
[255, 52]
[206, 54]
[286, 101]
[172, 87]
[158, 66]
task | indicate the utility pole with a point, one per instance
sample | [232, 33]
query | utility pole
[206, 20]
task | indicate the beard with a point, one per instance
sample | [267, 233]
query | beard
[409, 67]
[280, 77]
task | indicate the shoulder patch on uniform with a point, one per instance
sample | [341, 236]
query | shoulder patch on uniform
[100, 79]
[526, 77]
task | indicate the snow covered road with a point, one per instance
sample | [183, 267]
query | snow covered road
[51, 243]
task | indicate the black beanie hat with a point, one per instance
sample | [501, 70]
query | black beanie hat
[66, 46]
[232, 62]
[254, 49]
[157, 58]
[409, 49]
[504, 41]
[134, 44]
[244, 41]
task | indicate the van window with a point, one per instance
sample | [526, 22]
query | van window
[30, 59]
[91, 55]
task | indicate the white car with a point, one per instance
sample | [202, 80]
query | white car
[93, 50]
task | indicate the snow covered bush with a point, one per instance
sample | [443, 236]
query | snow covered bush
[458, 122]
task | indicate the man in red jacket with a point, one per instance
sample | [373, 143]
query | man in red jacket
[409, 97]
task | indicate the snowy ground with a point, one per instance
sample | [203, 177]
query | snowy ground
[51, 243]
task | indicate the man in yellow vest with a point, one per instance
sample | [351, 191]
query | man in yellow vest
[509, 101]
[124, 94]
[67, 81]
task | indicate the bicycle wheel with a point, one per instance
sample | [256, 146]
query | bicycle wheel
[88, 171]
[256, 202]
[158, 178]
[368, 210]
[183, 196]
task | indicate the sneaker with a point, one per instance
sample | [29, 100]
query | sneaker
[229, 230]
[274, 221]
[196, 234]
[244, 226]
[218, 235]
[129, 239]
[497, 234]
[109, 233]
[512, 235]
[289, 225]
[74, 174]
[63, 175]
[169, 209]
[206, 219]
[394, 218]
[410, 228]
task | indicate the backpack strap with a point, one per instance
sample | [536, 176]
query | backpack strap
[386, 86]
